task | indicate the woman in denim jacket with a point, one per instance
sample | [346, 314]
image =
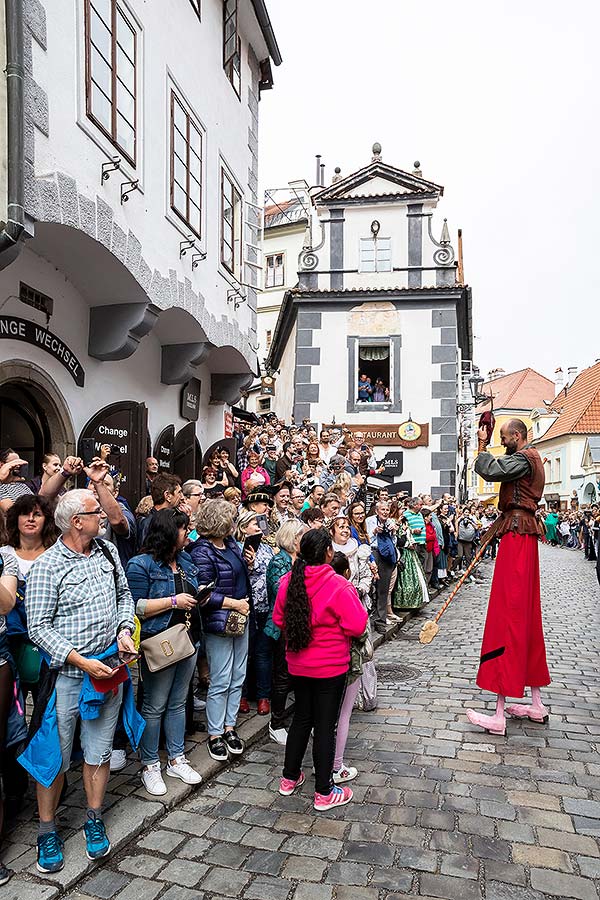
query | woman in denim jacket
[218, 558]
[163, 581]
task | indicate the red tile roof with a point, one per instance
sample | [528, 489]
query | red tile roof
[578, 406]
[524, 389]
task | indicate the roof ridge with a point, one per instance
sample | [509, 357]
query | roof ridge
[518, 384]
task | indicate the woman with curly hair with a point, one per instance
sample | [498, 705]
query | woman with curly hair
[319, 612]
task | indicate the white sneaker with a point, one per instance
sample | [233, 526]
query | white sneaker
[199, 704]
[346, 773]
[153, 781]
[180, 768]
[279, 735]
[118, 760]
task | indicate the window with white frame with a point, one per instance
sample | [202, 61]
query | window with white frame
[557, 474]
[264, 404]
[269, 338]
[547, 470]
[110, 72]
[232, 45]
[374, 370]
[375, 255]
[186, 166]
[231, 225]
[274, 271]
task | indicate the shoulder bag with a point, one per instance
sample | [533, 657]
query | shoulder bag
[169, 646]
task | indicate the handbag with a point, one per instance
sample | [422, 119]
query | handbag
[169, 647]
[236, 623]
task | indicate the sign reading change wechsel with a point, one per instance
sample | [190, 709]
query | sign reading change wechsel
[16, 329]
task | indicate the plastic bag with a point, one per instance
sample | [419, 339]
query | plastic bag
[367, 693]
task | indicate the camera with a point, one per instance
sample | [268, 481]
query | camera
[114, 449]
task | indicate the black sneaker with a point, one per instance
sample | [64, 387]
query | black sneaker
[217, 748]
[5, 874]
[234, 742]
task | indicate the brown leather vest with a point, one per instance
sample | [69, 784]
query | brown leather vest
[518, 500]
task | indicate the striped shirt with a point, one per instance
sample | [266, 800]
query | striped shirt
[71, 603]
[415, 520]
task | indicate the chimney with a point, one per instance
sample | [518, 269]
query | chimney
[318, 181]
[571, 375]
[461, 267]
[558, 381]
[322, 176]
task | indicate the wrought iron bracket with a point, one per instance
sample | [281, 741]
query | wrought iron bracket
[127, 187]
[186, 245]
[197, 258]
[108, 167]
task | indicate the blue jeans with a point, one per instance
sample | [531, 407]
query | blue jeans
[260, 656]
[165, 694]
[227, 658]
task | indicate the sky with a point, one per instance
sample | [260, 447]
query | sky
[500, 104]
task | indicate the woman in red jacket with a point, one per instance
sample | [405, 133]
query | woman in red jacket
[319, 612]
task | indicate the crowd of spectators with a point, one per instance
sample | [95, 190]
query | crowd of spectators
[263, 578]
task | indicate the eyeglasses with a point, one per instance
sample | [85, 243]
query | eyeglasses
[196, 495]
[91, 512]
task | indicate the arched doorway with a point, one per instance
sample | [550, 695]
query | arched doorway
[34, 418]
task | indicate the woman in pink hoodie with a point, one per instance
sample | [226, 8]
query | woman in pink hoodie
[319, 612]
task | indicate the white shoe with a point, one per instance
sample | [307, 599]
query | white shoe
[279, 735]
[199, 704]
[153, 781]
[118, 760]
[346, 773]
[180, 768]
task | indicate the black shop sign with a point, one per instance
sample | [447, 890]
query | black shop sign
[124, 426]
[190, 400]
[16, 329]
[393, 464]
[163, 449]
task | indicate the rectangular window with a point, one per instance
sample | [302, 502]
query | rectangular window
[232, 45]
[110, 66]
[557, 475]
[264, 404]
[373, 373]
[231, 225]
[269, 338]
[186, 166]
[375, 255]
[275, 276]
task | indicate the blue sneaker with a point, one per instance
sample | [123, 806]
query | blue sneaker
[97, 843]
[50, 853]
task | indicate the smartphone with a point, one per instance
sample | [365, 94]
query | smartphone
[122, 658]
[87, 450]
[253, 540]
[21, 471]
[204, 591]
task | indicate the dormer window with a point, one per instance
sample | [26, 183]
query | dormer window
[375, 255]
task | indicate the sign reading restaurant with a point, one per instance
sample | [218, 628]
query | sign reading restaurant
[409, 434]
[12, 327]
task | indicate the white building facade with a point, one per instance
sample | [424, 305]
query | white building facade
[378, 296]
[129, 269]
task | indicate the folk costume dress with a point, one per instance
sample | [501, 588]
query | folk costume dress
[411, 586]
[513, 652]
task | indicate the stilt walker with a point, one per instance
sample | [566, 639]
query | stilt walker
[513, 653]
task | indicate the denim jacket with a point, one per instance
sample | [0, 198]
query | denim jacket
[149, 579]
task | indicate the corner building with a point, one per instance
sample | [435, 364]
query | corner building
[129, 243]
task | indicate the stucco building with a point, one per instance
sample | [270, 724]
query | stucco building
[378, 295]
[129, 253]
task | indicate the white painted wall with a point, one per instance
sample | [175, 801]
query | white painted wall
[569, 449]
[288, 241]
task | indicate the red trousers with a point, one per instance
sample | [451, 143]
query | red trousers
[513, 653]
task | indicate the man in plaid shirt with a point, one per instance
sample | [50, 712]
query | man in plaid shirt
[78, 604]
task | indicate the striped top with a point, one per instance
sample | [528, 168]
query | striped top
[415, 520]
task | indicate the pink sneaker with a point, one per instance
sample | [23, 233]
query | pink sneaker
[537, 714]
[491, 724]
[287, 786]
[339, 796]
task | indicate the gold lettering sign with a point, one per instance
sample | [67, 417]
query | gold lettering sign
[406, 434]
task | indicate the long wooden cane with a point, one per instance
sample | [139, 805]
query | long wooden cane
[431, 628]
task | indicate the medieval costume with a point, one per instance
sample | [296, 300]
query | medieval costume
[411, 586]
[513, 653]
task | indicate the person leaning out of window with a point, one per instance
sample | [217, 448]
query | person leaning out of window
[163, 582]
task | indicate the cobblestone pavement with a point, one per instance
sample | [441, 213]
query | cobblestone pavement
[440, 809]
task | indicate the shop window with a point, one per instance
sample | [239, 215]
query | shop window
[373, 383]
[231, 225]
[232, 45]
[375, 255]
[186, 166]
[110, 67]
[275, 271]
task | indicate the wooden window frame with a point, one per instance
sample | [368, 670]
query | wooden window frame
[235, 192]
[229, 61]
[190, 123]
[270, 287]
[112, 134]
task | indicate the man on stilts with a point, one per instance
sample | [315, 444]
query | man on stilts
[513, 653]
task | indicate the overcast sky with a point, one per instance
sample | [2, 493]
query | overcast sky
[500, 103]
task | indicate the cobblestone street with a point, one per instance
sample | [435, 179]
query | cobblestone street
[440, 810]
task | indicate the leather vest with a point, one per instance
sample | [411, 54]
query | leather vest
[518, 500]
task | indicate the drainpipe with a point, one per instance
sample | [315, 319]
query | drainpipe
[10, 244]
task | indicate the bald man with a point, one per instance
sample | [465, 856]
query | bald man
[513, 652]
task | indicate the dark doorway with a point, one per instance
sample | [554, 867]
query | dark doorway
[23, 425]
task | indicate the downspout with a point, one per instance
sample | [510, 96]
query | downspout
[10, 244]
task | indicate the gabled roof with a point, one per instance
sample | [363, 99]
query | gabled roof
[592, 450]
[578, 406]
[406, 185]
[524, 389]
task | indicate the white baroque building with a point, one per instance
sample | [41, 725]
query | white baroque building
[129, 249]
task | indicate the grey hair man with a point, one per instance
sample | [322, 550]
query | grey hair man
[79, 606]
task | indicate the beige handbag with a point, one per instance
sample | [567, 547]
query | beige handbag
[169, 647]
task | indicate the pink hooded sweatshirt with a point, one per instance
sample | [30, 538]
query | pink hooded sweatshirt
[336, 616]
